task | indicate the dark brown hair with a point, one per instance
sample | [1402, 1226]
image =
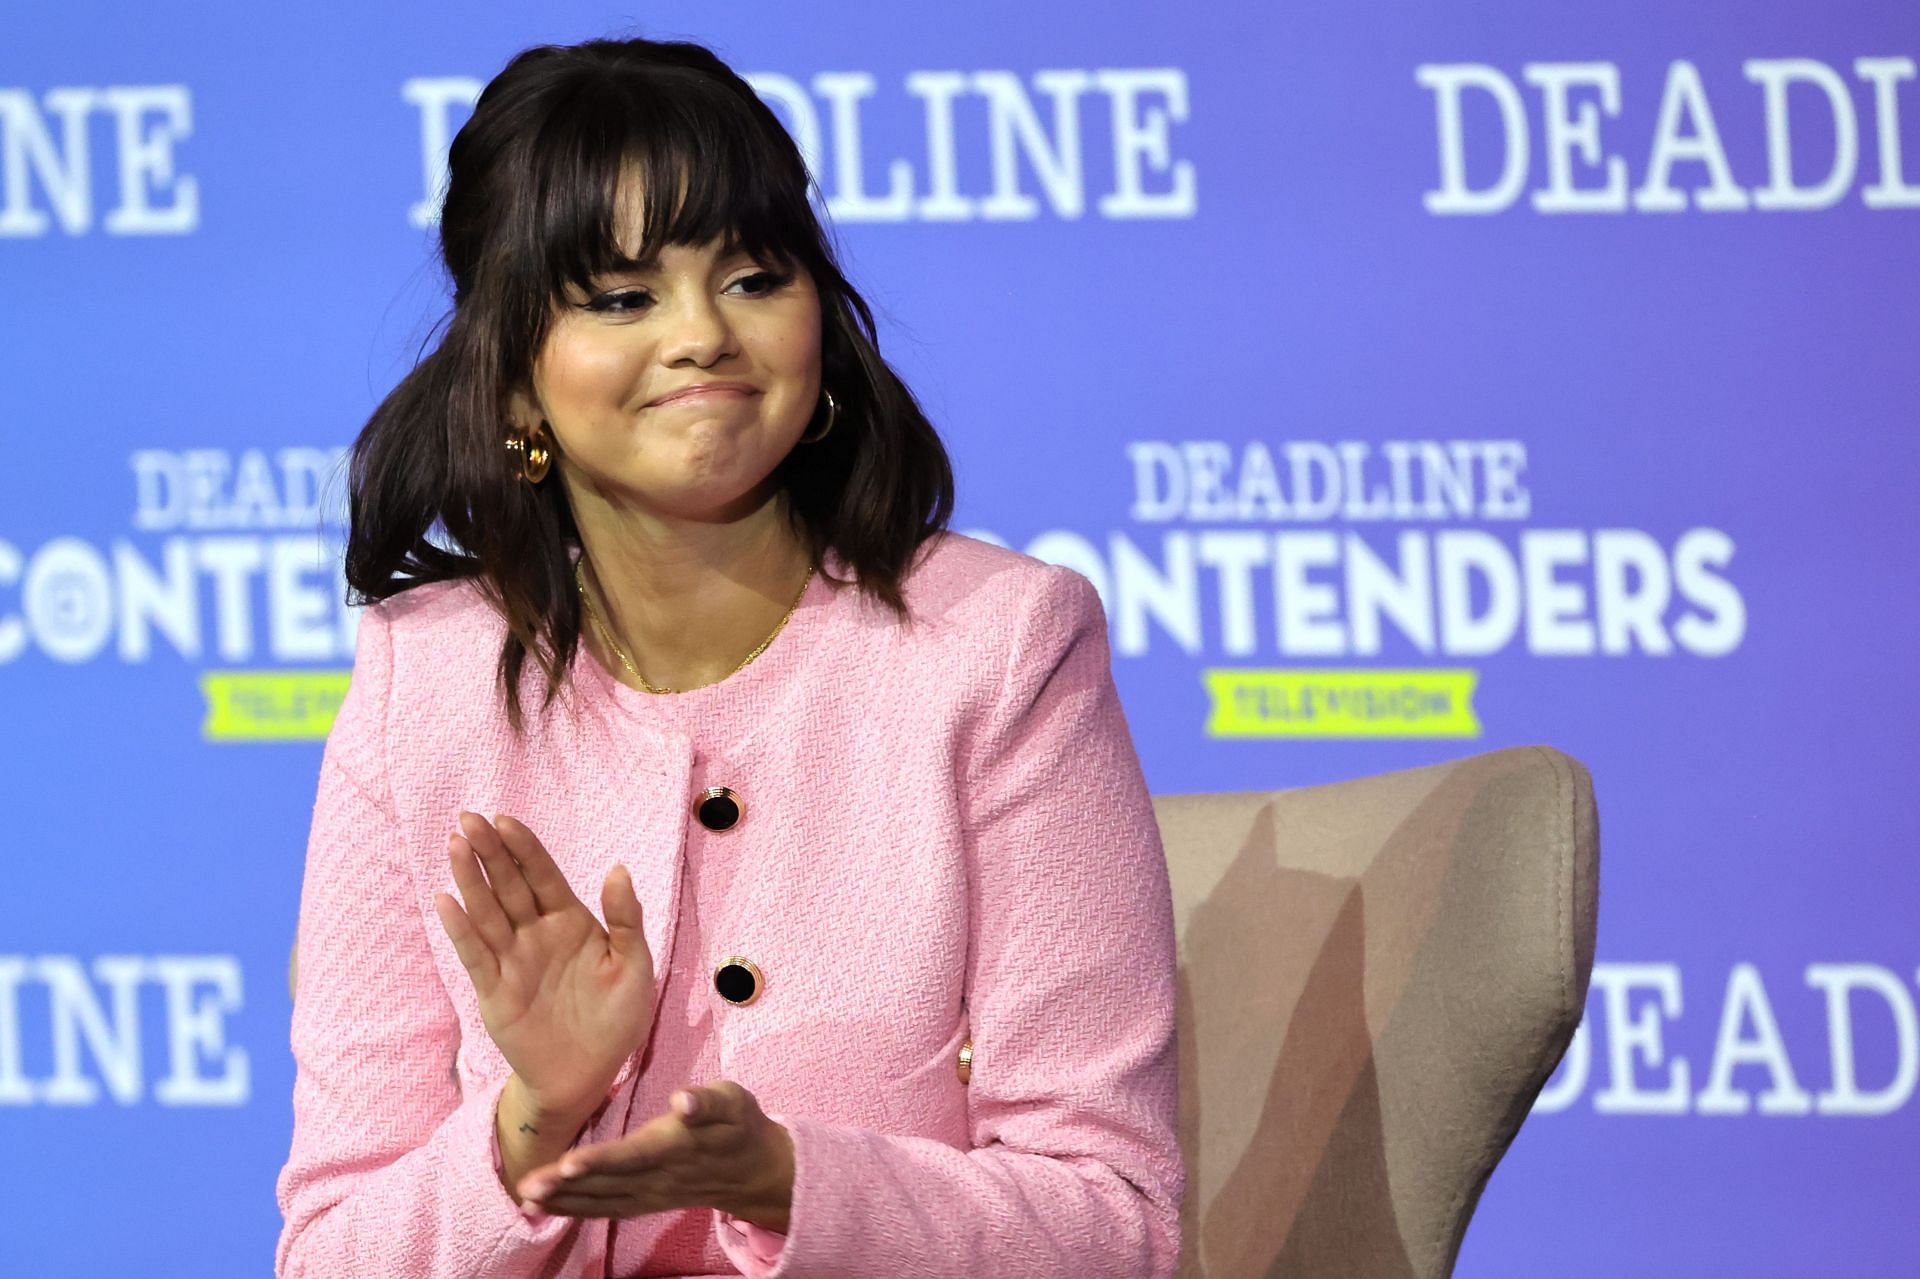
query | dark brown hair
[530, 206]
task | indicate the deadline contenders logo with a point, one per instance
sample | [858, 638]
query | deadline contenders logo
[234, 559]
[1341, 599]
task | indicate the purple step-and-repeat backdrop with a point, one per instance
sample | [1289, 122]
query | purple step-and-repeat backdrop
[1412, 380]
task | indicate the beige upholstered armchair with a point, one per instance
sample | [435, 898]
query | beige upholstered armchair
[1376, 978]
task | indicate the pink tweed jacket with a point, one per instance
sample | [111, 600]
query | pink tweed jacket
[946, 837]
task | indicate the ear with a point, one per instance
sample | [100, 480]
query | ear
[523, 409]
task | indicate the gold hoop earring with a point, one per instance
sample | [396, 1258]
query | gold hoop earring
[833, 412]
[529, 452]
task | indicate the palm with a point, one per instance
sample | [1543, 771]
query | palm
[560, 985]
[566, 1000]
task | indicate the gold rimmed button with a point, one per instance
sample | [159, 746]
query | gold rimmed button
[719, 808]
[738, 980]
[965, 1065]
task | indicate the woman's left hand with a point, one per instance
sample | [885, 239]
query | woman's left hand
[712, 1149]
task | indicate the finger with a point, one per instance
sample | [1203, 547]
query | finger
[724, 1102]
[543, 875]
[503, 872]
[547, 1181]
[480, 962]
[482, 907]
[621, 906]
[652, 1190]
[620, 1206]
[646, 1183]
[660, 1138]
[540, 1182]
[671, 1154]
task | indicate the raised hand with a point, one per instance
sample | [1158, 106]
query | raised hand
[566, 1000]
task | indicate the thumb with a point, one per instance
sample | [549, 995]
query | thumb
[622, 909]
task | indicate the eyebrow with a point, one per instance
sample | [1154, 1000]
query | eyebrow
[621, 263]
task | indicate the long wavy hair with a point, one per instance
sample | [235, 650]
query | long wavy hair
[530, 207]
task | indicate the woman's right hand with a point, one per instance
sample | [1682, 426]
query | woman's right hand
[565, 1000]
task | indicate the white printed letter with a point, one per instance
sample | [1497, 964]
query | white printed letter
[1774, 75]
[1635, 1040]
[1454, 196]
[1839, 981]
[1747, 1001]
[1566, 132]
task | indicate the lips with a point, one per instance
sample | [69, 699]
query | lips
[702, 392]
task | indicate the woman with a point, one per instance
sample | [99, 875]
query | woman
[882, 979]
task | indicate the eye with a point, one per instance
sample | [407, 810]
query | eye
[766, 281]
[625, 302]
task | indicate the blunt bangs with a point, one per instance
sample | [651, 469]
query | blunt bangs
[671, 132]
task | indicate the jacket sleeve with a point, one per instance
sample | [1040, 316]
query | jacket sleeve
[1075, 1168]
[391, 1172]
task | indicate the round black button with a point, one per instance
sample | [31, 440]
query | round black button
[719, 808]
[738, 980]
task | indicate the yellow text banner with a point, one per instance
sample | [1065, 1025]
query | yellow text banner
[1341, 702]
[271, 706]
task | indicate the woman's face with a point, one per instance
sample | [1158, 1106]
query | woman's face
[694, 317]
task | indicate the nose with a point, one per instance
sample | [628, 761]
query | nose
[695, 330]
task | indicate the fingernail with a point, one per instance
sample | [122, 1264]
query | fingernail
[536, 1190]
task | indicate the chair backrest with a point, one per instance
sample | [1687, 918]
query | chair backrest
[1376, 979]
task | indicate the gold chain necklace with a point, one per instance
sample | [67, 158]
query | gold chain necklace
[606, 635]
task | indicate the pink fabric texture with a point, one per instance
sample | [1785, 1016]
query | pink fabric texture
[946, 835]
